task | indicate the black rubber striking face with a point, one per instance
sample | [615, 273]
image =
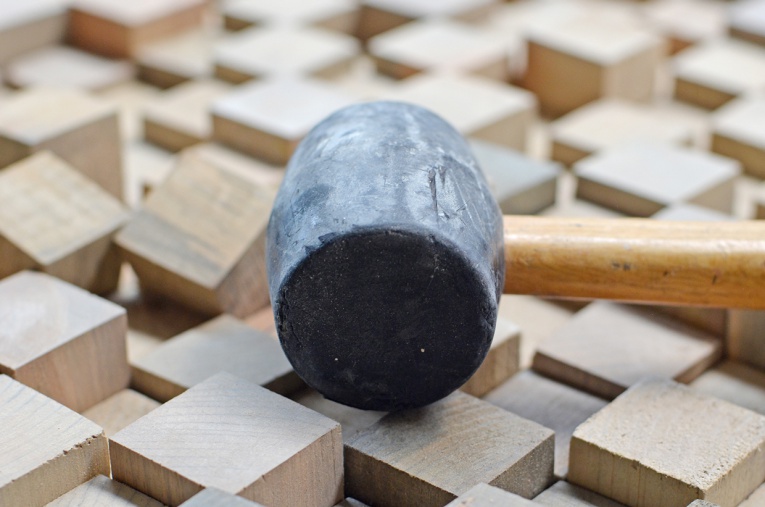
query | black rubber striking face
[385, 258]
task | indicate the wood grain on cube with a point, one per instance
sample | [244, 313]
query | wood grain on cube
[104, 492]
[62, 341]
[483, 495]
[212, 497]
[687, 22]
[746, 19]
[30, 25]
[338, 15]
[352, 420]
[235, 436]
[120, 410]
[502, 361]
[430, 456]
[734, 382]
[47, 448]
[738, 132]
[80, 129]
[199, 239]
[564, 494]
[663, 444]
[175, 60]
[606, 348]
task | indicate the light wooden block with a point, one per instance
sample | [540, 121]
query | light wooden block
[564, 494]
[551, 404]
[30, 25]
[746, 19]
[483, 495]
[180, 117]
[744, 337]
[266, 174]
[711, 74]
[222, 344]
[664, 445]
[79, 128]
[352, 420]
[263, 320]
[268, 119]
[477, 107]
[574, 63]
[47, 449]
[606, 348]
[756, 499]
[501, 363]
[120, 410]
[175, 60]
[338, 15]
[607, 123]
[62, 341]
[211, 497]
[235, 436]
[521, 185]
[55, 220]
[104, 492]
[119, 29]
[738, 132]
[687, 22]
[734, 382]
[642, 178]
[440, 45]
[146, 167]
[430, 456]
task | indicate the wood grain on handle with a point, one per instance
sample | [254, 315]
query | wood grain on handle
[640, 260]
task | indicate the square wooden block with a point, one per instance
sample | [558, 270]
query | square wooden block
[432, 455]
[606, 348]
[611, 122]
[283, 50]
[501, 363]
[661, 444]
[687, 22]
[438, 45]
[746, 20]
[641, 178]
[175, 60]
[236, 436]
[30, 25]
[483, 495]
[65, 342]
[104, 492]
[564, 494]
[338, 15]
[734, 382]
[477, 107]
[119, 29]
[738, 132]
[268, 119]
[212, 497]
[79, 128]
[55, 220]
[120, 410]
[711, 74]
[47, 448]
[199, 239]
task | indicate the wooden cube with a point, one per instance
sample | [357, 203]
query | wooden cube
[268, 119]
[641, 178]
[574, 63]
[606, 348]
[564, 494]
[501, 363]
[432, 455]
[744, 336]
[734, 382]
[81, 129]
[199, 239]
[755, 499]
[738, 132]
[175, 60]
[104, 492]
[687, 22]
[338, 15]
[232, 435]
[268, 175]
[30, 25]
[477, 107]
[551, 404]
[119, 29]
[274, 51]
[746, 19]
[65, 342]
[120, 410]
[438, 45]
[47, 448]
[353, 420]
[483, 495]
[711, 74]
[662, 444]
[212, 497]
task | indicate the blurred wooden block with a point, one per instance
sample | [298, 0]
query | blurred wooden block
[551, 404]
[501, 363]
[483, 495]
[55, 220]
[352, 420]
[338, 15]
[268, 119]
[711, 74]
[146, 167]
[120, 410]
[264, 173]
[564, 494]
[477, 107]
[222, 344]
[438, 45]
[608, 123]
[606, 348]
[521, 185]
[430, 456]
[235, 436]
[687, 22]
[263, 320]
[663, 444]
[62, 341]
[738, 132]
[119, 29]
[180, 117]
[283, 50]
[47, 449]
[175, 60]
[199, 239]
[212, 497]
[734, 382]
[746, 19]
[104, 492]
[574, 63]
[60, 66]
[26, 26]
[79, 128]
[744, 338]
[756, 499]
[642, 178]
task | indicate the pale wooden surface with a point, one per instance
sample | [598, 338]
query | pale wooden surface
[233, 435]
[743, 340]
[174, 60]
[26, 26]
[747, 21]
[734, 382]
[211, 497]
[662, 444]
[738, 132]
[47, 448]
[430, 456]
[687, 22]
[483, 495]
[755, 499]
[352, 420]
[104, 492]
[564, 494]
[120, 410]
[339, 15]
[501, 363]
